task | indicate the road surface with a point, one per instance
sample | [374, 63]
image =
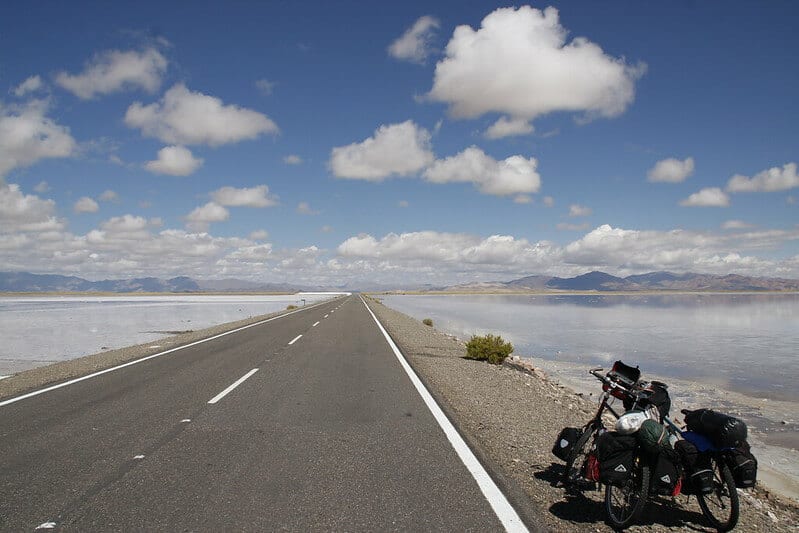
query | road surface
[306, 422]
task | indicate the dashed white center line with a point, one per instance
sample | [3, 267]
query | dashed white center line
[315, 324]
[47, 525]
[327, 316]
[233, 386]
[295, 339]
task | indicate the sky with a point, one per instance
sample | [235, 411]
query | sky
[402, 143]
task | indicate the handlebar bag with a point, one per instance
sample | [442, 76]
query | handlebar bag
[743, 465]
[625, 375]
[724, 431]
[616, 456]
[565, 442]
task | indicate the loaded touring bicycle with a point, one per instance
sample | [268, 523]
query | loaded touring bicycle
[646, 455]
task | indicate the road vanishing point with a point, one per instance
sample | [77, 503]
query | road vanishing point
[310, 421]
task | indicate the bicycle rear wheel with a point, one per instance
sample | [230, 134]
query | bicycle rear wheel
[720, 506]
[573, 474]
[625, 503]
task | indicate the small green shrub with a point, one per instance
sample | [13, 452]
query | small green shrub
[428, 322]
[290, 307]
[491, 348]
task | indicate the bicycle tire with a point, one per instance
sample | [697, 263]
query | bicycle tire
[573, 474]
[722, 515]
[637, 487]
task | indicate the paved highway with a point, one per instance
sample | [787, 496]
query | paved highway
[305, 422]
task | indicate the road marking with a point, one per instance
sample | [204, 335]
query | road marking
[46, 525]
[295, 339]
[233, 386]
[327, 316]
[315, 324]
[185, 421]
[138, 457]
[499, 503]
[153, 356]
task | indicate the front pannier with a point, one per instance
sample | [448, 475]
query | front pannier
[724, 431]
[565, 442]
[667, 479]
[743, 466]
[616, 456]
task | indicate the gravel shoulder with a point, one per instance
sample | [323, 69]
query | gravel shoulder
[511, 414]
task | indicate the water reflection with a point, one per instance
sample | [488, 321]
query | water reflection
[748, 341]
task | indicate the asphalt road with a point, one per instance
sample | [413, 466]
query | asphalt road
[327, 434]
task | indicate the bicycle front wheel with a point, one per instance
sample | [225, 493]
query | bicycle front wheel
[573, 474]
[625, 503]
[720, 506]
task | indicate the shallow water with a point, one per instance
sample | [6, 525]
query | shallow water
[748, 343]
[37, 331]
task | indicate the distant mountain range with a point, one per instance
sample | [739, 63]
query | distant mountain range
[27, 282]
[653, 281]
[592, 281]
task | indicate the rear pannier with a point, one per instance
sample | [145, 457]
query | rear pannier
[724, 431]
[565, 442]
[616, 456]
[743, 466]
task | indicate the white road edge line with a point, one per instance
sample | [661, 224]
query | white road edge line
[233, 386]
[499, 503]
[315, 324]
[295, 339]
[153, 356]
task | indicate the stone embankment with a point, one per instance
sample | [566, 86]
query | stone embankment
[511, 415]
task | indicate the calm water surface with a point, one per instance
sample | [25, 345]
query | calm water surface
[37, 331]
[746, 342]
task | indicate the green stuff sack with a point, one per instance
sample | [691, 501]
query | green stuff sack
[652, 437]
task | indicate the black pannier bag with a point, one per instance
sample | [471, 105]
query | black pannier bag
[565, 442]
[724, 431]
[616, 456]
[698, 474]
[743, 466]
[667, 476]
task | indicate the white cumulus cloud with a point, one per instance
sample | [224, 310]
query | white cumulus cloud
[115, 70]
[109, 196]
[28, 135]
[25, 212]
[186, 117]
[257, 196]
[671, 170]
[32, 84]
[770, 180]
[393, 150]
[86, 205]
[513, 175]
[174, 161]
[576, 210]
[304, 208]
[201, 217]
[292, 159]
[415, 44]
[519, 64]
[707, 197]
[506, 127]
[736, 224]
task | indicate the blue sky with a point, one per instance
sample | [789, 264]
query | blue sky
[444, 142]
